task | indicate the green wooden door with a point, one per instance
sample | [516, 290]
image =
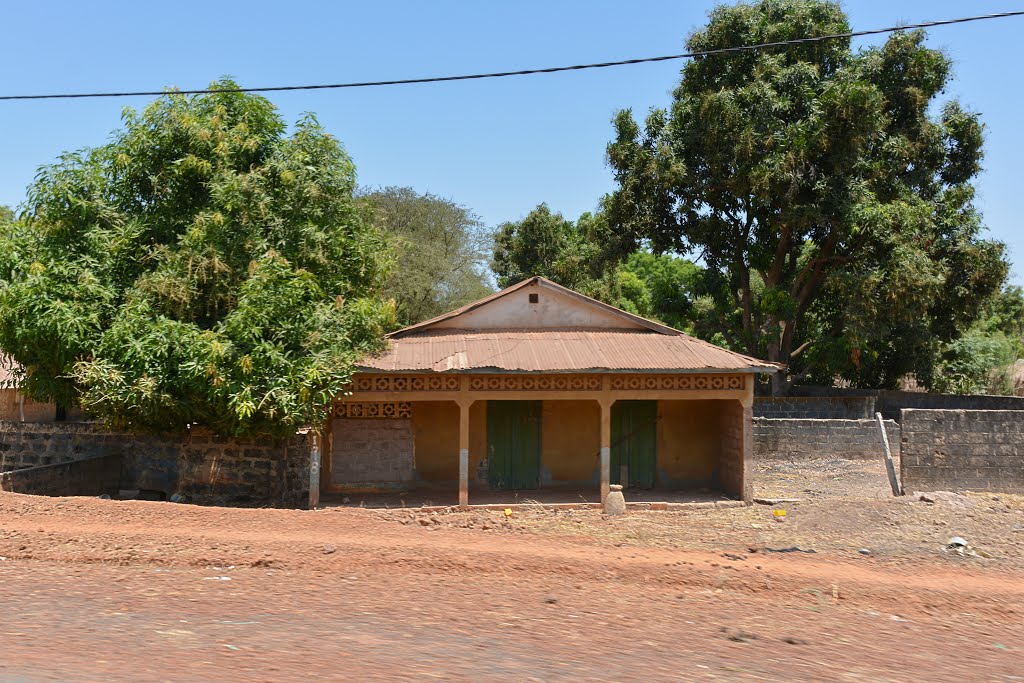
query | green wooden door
[513, 444]
[634, 439]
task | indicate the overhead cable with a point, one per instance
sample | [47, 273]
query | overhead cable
[524, 72]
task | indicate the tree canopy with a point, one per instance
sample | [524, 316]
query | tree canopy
[442, 251]
[833, 211]
[204, 267]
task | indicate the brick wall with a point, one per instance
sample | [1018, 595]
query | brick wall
[206, 469]
[808, 439]
[735, 466]
[962, 449]
[372, 451]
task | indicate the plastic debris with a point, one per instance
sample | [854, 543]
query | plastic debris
[790, 549]
[864, 551]
[508, 512]
[961, 547]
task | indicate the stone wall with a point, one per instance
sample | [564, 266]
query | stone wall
[809, 439]
[204, 468]
[979, 450]
[93, 476]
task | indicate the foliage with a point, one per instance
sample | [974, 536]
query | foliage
[547, 244]
[442, 250]
[976, 363]
[661, 287]
[983, 359]
[201, 268]
[833, 212]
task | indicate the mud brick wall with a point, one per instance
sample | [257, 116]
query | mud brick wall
[206, 469]
[980, 450]
[815, 407]
[372, 451]
[811, 439]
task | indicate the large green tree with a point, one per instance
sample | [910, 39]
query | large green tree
[576, 254]
[833, 211]
[442, 251]
[204, 267]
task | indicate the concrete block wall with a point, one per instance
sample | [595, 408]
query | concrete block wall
[810, 439]
[372, 450]
[205, 468]
[980, 450]
[890, 403]
[815, 407]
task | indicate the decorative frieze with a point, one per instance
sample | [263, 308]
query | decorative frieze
[535, 383]
[542, 383]
[373, 409]
[405, 383]
[677, 382]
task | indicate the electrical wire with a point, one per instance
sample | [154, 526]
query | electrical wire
[525, 72]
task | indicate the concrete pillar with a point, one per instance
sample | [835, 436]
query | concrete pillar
[464, 453]
[314, 470]
[606, 448]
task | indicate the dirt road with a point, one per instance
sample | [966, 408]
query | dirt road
[97, 590]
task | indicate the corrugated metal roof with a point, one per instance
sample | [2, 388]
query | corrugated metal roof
[574, 350]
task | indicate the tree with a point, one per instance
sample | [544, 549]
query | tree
[201, 268]
[442, 250]
[662, 287]
[6, 215]
[817, 188]
[581, 256]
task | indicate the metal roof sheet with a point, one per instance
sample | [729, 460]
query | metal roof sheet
[570, 350]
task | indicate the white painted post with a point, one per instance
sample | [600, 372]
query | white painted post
[890, 468]
[606, 449]
[463, 454]
[314, 472]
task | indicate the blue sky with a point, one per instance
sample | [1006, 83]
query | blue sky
[500, 147]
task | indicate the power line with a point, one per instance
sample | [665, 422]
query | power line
[525, 72]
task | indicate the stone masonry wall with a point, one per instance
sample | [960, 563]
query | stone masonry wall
[372, 451]
[87, 477]
[809, 439]
[204, 468]
[980, 450]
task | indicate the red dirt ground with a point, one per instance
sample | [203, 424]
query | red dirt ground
[96, 590]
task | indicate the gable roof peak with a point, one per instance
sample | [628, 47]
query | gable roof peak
[630, 319]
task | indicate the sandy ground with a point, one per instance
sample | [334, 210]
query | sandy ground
[96, 590]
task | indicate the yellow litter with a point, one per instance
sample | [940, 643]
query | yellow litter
[508, 512]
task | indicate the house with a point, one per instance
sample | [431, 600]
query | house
[540, 387]
[15, 406]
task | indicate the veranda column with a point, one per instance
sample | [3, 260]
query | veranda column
[606, 447]
[464, 453]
